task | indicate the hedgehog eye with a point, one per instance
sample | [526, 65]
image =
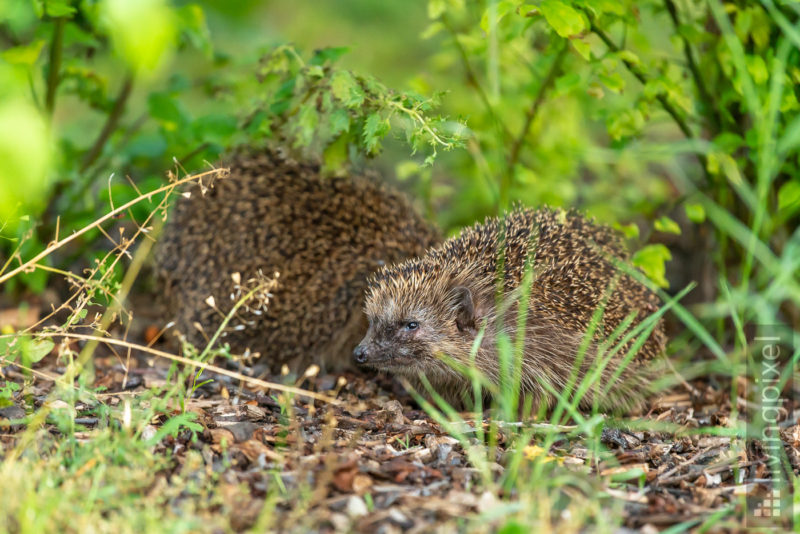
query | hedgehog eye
[412, 325]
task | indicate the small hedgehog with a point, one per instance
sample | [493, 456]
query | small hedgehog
[437, 304]
[275, 215]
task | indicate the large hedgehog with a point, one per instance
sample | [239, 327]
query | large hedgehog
[275, 215]
[437, 304]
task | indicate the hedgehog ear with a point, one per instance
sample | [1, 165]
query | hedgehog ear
[465, 309]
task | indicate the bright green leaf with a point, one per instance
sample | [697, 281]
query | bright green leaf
[346, 89]
[695, 213]
[631, 231]
[563, 18]
[667, 225]
[24, 54]
[757, 69]
[582, 47]
[789, 195]
[339, 122]
[36, 349]
[25, 153]
[375, 127]
[143, 32]
[59, 8]
[307, 120]
[652, 259]
[192, 21]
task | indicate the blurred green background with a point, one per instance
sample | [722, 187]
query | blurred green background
[675, 121]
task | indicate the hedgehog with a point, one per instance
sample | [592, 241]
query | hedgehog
[472, 285]
[315, 240]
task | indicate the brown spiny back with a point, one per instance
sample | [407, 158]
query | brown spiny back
[575, 269]
[274, 214]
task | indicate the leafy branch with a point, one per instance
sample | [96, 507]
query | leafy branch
[705, 96]
[472, 78]
[322, 107]
[54, 68]
[662, 98]
[111, 123]
[531, 113]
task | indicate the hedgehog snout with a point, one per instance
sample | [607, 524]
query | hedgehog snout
[360, 354]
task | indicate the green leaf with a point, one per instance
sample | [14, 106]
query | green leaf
[513, 527]
[614, 7]
[567, 83]
[214, 128]
[147, 145]
[330, 54]
[307, 120]
[667, 225]
[59, 8]
[613, 81]
[651, 259]
[25, 152]
[564, 19]
[339, 122]
[631, 231]
[436, 8]
[316, 71]
[38, 348]
[143, 32]
[32, 350]
[791, 136]
[174, 425]
[695, 212]
[757, 69]
[167, 110]
[192, 21]
[346, 89]
[789, 195]
[24, 54]
[583, 48]
[375, 127]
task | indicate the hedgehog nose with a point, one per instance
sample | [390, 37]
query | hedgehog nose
[360, 354]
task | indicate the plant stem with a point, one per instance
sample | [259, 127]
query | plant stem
[530, 115]
[661, 97]
[713, 113]
[54, 70]
[472, 79]
[57, 245]
[187, 361]
[639, 74]
[111, 123]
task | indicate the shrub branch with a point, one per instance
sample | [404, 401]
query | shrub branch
[54, 68]
[111, 123]
[530, 115]
[639, 74]
[58, 244]
[693, 68]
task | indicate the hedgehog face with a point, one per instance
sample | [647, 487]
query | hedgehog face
[406, 337]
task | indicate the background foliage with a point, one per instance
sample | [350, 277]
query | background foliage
[674, 120]
[649, 115]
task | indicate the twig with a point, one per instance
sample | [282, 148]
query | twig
[530, 115]
[111, 123]
[199, 148]
[661, 97]
[663, 476]
[640, 75]
[187, 361]
[55, 246]
[698, 79]
[116, 306]
[472, 79]
[54, 68]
